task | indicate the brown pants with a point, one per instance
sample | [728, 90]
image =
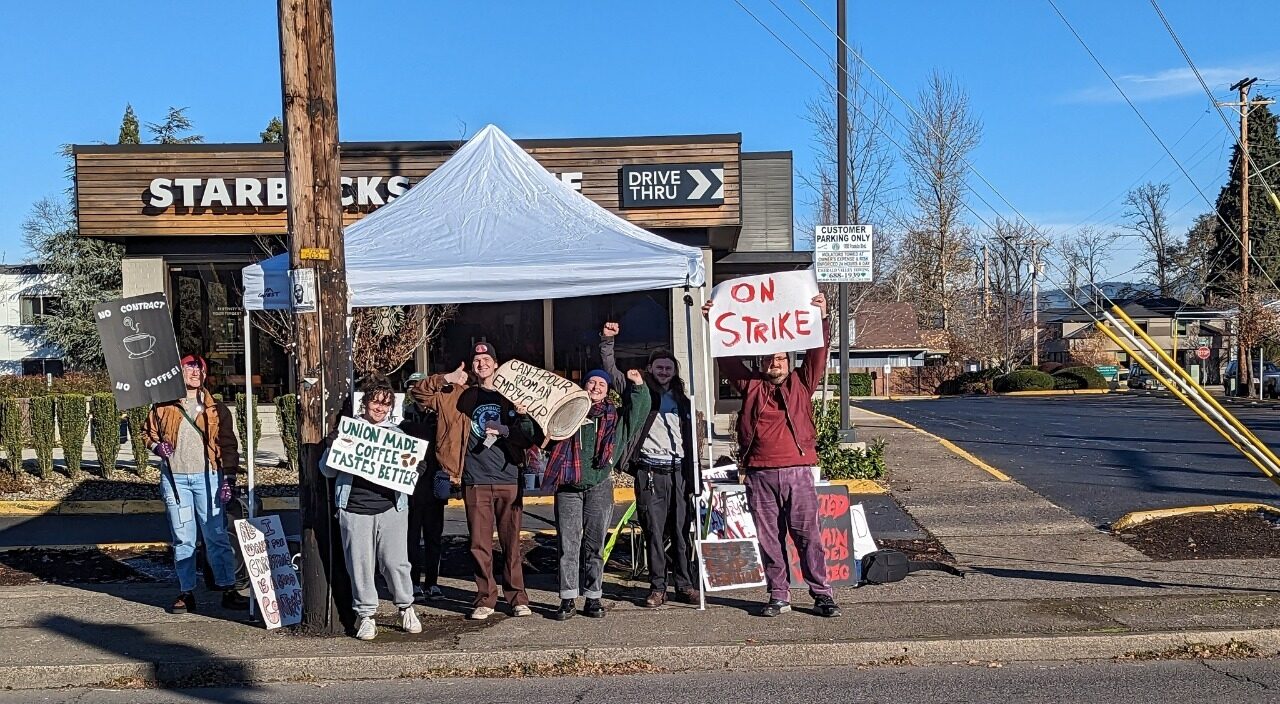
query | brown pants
[499, 507]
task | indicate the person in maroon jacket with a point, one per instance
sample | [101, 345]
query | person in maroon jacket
[777, 444]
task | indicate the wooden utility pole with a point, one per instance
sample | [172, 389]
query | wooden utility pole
[323, 359]
[986, 282]
[1035, 303]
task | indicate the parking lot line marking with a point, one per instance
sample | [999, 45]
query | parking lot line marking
[963, 453]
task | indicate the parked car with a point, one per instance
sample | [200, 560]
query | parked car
[1139, 378]
[1270, 379]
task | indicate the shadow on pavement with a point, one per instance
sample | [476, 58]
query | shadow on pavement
[175, 665]
[1103, 579]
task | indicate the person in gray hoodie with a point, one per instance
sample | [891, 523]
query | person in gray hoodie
[374, 521]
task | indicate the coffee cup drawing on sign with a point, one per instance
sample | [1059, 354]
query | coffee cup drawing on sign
[139, 345]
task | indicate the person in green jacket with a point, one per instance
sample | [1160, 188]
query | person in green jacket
[580, 467]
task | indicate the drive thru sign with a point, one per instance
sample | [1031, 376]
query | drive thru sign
[842, 253]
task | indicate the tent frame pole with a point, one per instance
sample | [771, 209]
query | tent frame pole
[249, 409]
[699, 499]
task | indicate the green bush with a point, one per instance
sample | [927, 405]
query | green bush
[838, 463]
[287, 421]
[43, 436]
[978, 382]
[106, 431]
[1079, 378]
[1050, 367]
[859, 383]
[1023, 380]
[73, 424]
[13, 386]
[11, 433]
[257, 424]
[141, 453]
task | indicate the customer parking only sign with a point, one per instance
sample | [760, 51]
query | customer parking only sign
[842, 253]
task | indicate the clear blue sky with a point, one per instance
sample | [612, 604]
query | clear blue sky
[1058, 142]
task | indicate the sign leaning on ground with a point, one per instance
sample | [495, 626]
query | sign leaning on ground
[764, 314]
[671, 185]
[140, 349]
[379, 455]
[842, 253]
[276, 589]
[556, 404]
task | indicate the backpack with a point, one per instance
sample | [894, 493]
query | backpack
[885, 566]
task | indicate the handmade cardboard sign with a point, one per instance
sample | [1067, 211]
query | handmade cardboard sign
[556, 404]
[730, 514]
[756, 315]
[837, 538]
[276, 588]
[140, 349]
[380, 455]
[731, 564]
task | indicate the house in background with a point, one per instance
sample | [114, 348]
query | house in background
[24, 301]
[1181, 330]
[888, 344]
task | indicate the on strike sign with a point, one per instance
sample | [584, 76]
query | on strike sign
[756, 315]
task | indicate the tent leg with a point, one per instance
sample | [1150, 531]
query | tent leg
[249, 410]
[698, 499]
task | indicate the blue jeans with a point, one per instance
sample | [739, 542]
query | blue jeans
[196, 506]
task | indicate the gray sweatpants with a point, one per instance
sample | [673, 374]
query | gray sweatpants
[378, 543]
[582, 523]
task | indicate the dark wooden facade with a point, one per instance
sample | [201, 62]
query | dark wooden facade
[113, 183]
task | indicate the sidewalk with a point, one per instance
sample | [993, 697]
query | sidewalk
[1041, 585]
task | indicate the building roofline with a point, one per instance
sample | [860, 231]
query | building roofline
[746, 156]
[735, 138]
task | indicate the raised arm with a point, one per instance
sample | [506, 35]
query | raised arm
[608, 361]
[733, 368]
[433, 393]
[815, 360]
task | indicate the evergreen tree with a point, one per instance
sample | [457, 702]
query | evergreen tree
[1264, 219]
[129, 127]
[274, 134]
[174, 129]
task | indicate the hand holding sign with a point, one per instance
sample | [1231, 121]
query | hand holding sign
[756, 315]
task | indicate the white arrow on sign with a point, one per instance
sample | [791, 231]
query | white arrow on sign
[704, 184]
[719, 173]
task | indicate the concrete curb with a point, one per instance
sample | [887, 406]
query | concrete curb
[213, 671]
[90, 546]
[1057, 392]
[1137, 518]
[621, 495]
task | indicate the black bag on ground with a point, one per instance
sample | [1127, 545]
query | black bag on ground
[885, 566]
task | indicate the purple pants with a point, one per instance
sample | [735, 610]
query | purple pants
[783, 501]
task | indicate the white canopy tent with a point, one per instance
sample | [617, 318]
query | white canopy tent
[490, 225]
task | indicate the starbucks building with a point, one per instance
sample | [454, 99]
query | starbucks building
[190, 217]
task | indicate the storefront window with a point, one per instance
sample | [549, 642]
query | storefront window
[209, 320]
[514, 329]
[644, 319]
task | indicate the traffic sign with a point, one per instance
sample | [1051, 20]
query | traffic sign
[1202, 352]
[842, 253]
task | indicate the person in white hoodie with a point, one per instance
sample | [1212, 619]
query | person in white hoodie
[374, 521]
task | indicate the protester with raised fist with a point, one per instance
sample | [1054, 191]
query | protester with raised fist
[777, 445]
[481, 438]
[660, 457]
[374, 520]
[581, 468]
[195, 439]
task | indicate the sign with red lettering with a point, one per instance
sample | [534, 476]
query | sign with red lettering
[277, 591]
[756, 315]
[837, 539]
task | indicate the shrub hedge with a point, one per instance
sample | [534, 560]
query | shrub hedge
[141, 454]
[240, 423]
[978, 382]
[73, 425]
[838, 463]
[42, 434]
[859, 383]
[33, 386]
[106, 431]
[287, 420]
[1023, 380]
[11, 434]
[1079, 378]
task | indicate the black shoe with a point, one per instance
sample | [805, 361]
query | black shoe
[234, 601]
[826, 606]
[593, 609]
[567, 609]
[184, 604]
[775, 607]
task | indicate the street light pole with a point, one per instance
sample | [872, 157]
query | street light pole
[842, 207]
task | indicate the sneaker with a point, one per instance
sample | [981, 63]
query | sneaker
[434, 593]
[656, 598]
[774, 607]
[566, 611]
[688, 595]
[418, 594]
[368, 630]
[481, 613]
[234, 600]
[409, 622]
[184, 604]
[826, 606]
[521, 610]
[593, 609]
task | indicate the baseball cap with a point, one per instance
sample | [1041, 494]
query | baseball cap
[196, 361]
